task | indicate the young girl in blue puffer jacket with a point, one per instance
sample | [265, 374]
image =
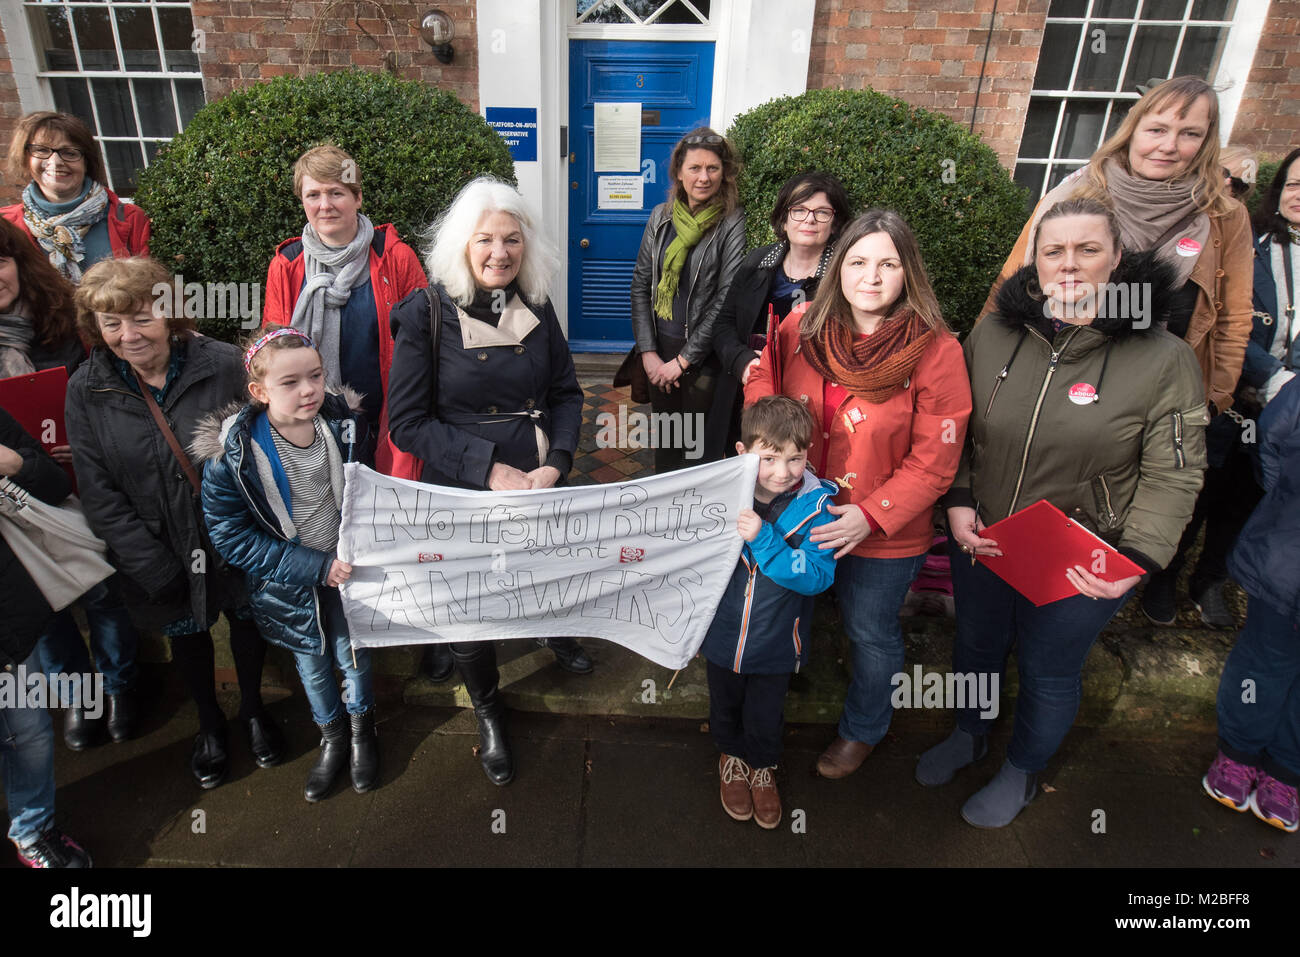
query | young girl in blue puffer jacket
[272, 497]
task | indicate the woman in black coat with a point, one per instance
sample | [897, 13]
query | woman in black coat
[810, 211]
[138, 499]
[38, 331]
[504, 408]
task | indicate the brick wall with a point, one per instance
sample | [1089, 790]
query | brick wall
[251, 40]
[1269, 116]
[930, 52]
[10, 111]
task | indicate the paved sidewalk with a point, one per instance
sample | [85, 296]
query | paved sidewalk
[597, 791]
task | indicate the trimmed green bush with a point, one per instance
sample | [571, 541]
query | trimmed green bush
[1263, 177]
[221, 193]
[889, 154]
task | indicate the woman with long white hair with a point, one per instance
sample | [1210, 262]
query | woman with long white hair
[494, 403]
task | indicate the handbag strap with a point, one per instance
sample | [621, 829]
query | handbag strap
[435, 339]
[186, 465]
[1290, 304]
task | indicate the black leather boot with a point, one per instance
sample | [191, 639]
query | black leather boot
[332, 759]
[121, 715]
[437, 663]
[478, 666]
[365, 752]
[208, 761]
[265, 740]
[79, 730]
[569, 655]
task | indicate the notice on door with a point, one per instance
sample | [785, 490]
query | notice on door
[618, 137]
[620, 192]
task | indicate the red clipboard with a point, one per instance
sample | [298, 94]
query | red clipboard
[1039, 543]
[36, 401]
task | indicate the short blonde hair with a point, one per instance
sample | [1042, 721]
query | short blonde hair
[449, 235]
[327, 164]
[125, 286]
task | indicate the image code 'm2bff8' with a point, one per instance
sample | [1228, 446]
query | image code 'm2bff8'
[628, 554]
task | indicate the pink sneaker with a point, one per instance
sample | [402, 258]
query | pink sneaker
[1229, 782]
[1276, 803]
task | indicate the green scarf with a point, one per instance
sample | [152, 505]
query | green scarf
[690, 230]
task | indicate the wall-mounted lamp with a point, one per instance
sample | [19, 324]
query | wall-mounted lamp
[438, 31]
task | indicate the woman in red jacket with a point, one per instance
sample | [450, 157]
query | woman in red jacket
[337, 283]
[66, 209]
[886, 383]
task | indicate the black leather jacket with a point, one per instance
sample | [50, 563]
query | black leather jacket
[713, 267]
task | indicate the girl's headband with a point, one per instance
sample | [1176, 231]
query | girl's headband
[275, 334]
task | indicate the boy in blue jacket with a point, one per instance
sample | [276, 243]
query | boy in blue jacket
[758, 636]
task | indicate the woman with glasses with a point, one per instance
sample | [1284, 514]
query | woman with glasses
[690, 251]
[810, 211]
[66, 208]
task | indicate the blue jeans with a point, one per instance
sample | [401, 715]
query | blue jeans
[27, 765]
[1263, 730]
[870, 592]
[112, 636]
[317, 671]
[1052, 642]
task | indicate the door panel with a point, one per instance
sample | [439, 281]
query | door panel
[674, 80]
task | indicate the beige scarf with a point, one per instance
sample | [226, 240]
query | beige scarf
[1153, 215]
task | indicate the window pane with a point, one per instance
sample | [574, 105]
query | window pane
[95, 38]
[123, 161]
[1081, 129]
[190, 94]
[113, 101]
[139, 43]
[1118, 110]
[52, 36]
[1056, 58]
[1114, 8]
[1040, 124]
[608, 12]
[1164, 9]
[178, 38]
[1200, 53]
[151, 151]
[1102, 56]
[1060, 171]
[680, 13]
[153, 98]
[1213, 9]
[1152, 55]
[1030, 176]
[71, 96]
[1067, 8]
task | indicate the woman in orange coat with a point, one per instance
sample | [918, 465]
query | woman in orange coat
[886, 383]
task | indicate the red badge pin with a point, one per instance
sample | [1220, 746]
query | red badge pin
[1082, 394]
[1188, 247]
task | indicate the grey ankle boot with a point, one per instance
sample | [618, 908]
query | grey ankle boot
[939, 764]
[999, 801]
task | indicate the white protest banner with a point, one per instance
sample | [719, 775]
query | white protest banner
[641, 563]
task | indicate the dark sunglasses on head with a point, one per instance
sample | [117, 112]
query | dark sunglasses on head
[712, 139]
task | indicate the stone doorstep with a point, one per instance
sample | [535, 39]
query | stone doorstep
[1135, 677]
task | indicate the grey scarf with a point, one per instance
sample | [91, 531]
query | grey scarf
[16, 337]
[329, 276]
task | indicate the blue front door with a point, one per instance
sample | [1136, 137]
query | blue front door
[673, 82]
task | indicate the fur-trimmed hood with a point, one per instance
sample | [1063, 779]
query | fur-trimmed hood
[213, 431]
[1146, 285]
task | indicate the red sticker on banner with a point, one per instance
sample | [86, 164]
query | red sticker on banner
[1082, 394]
[1188, 247]
[430, 557]
[628, 554]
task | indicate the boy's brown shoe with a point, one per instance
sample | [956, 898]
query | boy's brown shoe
[767, 802]
[736, 800]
